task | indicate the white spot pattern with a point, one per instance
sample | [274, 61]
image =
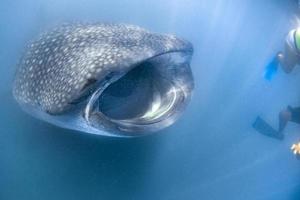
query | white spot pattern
[57, 66]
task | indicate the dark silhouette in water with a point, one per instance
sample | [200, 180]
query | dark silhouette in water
[288, 60]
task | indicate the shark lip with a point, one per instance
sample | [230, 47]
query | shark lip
[147, 98]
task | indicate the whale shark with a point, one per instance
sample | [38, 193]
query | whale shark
[105, 78]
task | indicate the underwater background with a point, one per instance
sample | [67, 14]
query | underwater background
[212, 152]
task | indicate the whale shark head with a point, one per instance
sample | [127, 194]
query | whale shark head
[106, 79]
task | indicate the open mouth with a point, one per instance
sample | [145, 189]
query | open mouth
[148, 97]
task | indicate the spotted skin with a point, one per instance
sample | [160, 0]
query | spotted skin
[58, 66]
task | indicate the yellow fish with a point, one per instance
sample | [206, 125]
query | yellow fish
[296, 148]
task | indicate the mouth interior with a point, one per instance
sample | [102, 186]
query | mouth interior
[141, 93]
[148, 97]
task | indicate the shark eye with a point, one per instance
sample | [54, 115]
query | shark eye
[106, 79]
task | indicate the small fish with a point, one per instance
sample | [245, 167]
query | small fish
[296, 148]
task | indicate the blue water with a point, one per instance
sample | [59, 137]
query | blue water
[211, 153]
